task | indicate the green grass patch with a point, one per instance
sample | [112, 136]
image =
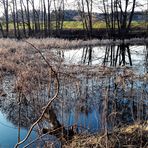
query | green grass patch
[73, 25]
[99, 24]
[139, 24]
[79, 25]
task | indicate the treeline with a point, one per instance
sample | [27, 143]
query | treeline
[27, 18]
[43, 18]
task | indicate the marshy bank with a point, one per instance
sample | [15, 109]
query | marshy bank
[88, 88]
[132, 136]
[48, 43]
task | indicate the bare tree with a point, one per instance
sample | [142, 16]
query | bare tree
[1, 29]
[5, 4]
[120, 13]
[45, 18]
[17, 19]
[28, 18]
[59, 15]
[89, 11]
[23, 17]
[85, 10]
[49, 17]
[14, 18]
[34, 25]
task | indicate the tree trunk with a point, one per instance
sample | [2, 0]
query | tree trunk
[22, 16]
[5, 5]
[28, 19]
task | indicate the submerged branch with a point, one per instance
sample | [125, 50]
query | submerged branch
[50, 101]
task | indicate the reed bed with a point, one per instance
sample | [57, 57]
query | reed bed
[48, 43]
[118, 93]
[135, 135]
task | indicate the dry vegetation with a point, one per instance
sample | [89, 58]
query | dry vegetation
[133, 136]
[33, 74]
[49, 43]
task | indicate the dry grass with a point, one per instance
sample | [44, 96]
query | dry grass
[132, 136]
[49, 43]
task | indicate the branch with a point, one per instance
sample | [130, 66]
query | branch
[50, 101]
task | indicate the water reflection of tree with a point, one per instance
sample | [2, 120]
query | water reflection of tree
[27, 114]
[117, 55]
[87, 55]
[114, 55]
[146, 58]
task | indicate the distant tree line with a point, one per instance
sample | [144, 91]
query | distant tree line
[23, 17]
[26, 18]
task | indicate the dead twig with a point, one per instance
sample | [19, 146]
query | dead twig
[50, 101]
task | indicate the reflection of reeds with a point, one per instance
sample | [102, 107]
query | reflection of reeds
[118, 95]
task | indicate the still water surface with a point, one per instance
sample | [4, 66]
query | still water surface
[9, 134]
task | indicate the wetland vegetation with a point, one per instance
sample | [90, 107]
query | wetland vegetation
[88, 92]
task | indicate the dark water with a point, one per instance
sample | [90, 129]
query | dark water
[93, 103]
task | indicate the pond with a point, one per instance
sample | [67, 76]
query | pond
[9, 134]
[100, 87]
[106, 55]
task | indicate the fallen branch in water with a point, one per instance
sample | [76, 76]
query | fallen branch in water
[50, 101]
